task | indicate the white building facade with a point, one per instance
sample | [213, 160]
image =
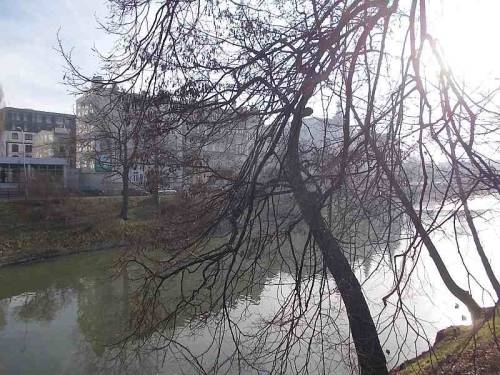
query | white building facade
[164, 149]
[19, 127]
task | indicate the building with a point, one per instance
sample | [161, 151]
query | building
[19, 126]
[104, 135]
[221, 145]
[166, 148]
[20, 175]
[55, 143]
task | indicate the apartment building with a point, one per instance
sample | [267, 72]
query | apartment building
[165, 147]
[104, 136]
[221, 143]
[55, 143]
[20, 126]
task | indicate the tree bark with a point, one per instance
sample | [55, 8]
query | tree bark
[371, 358]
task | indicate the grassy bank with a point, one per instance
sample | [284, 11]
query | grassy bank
[461, 350]
[38, 229]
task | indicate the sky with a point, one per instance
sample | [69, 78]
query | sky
[468, 34]
[31, 69]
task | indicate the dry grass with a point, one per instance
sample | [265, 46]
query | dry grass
[37, 229]
[462, 350]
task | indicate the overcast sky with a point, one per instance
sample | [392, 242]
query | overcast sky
[31, 70]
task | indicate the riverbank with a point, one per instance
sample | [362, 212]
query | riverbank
[39, 229]
[460, 350]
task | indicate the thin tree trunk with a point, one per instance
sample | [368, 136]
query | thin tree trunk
[461, 294]
[470, 222]
[125, 178]
[125, 194]
[371, 358]
[156, 194]
[479, 247]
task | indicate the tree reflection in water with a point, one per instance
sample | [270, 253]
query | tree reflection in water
[197, 316]
[269, 306]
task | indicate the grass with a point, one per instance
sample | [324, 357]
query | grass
[461, 350]
[37, 229]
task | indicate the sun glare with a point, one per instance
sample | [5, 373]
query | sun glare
[468, 34]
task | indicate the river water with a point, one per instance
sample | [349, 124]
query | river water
[63, 316]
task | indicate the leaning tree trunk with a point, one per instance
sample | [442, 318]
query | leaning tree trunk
[462, 295]
[468, 217]
[371, 358]
[475, 235]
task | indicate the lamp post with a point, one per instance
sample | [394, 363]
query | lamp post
[24, 163]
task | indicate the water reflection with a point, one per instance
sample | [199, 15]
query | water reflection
[61, 316]
[69, 310]
[67, 315]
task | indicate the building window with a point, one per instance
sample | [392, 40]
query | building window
[39, 119]
[15, 148]
[28, 148]
[18, 116]
[28, 137]
[15, 136]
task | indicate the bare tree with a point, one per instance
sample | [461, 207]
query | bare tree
[282, 62]
[109, 127]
